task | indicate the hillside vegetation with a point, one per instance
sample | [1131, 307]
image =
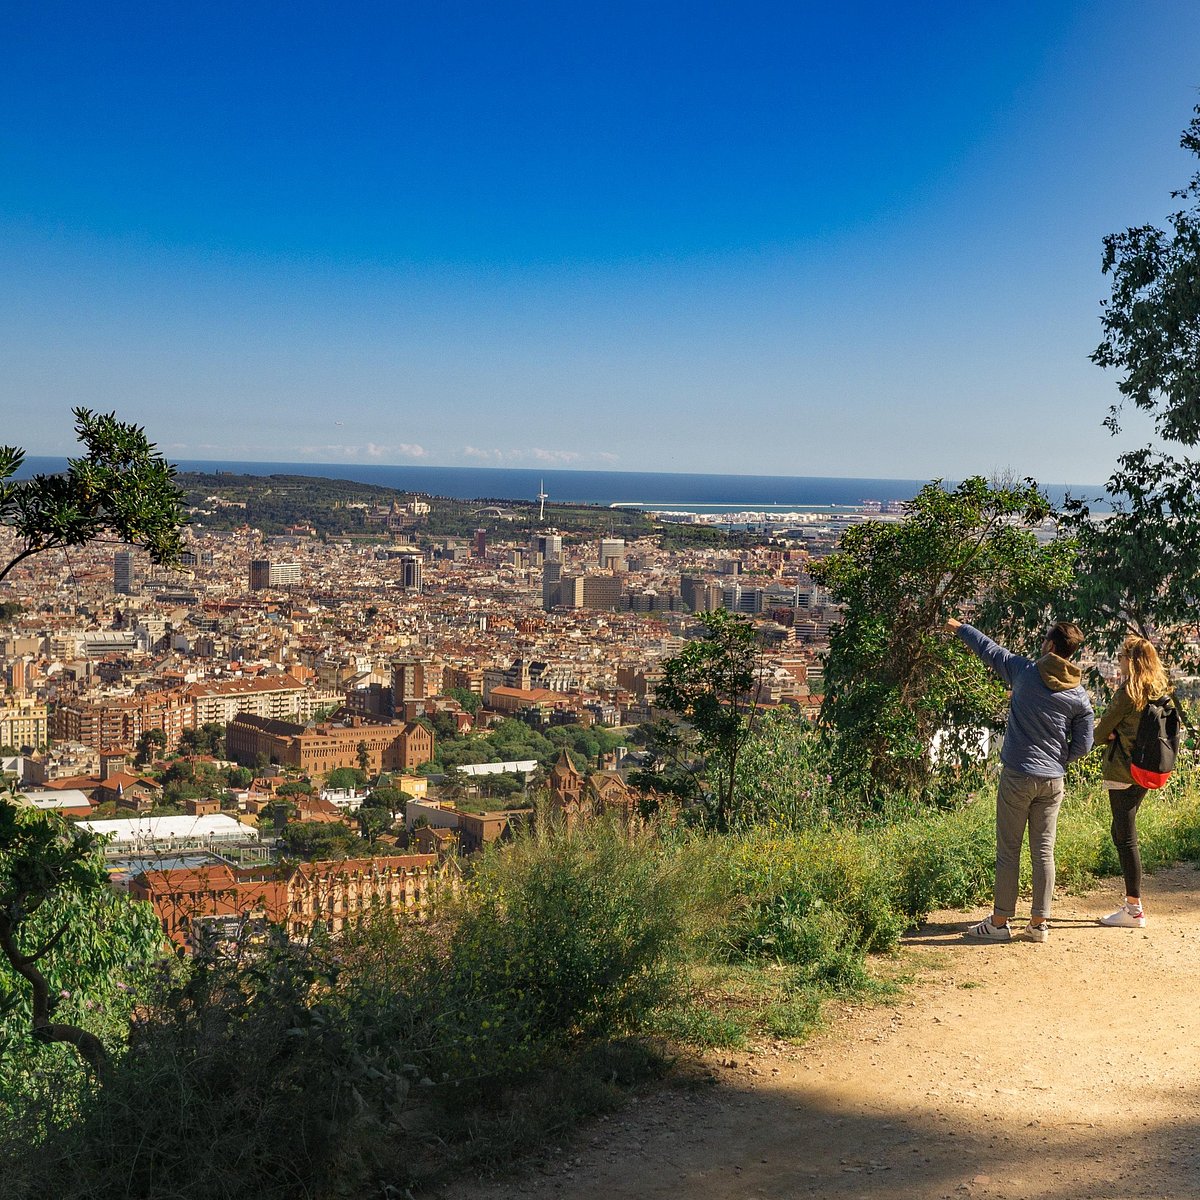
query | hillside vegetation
[564, 971]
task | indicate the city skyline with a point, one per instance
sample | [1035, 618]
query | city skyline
[782, 241]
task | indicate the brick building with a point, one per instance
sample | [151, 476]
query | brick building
[121, 721]
[190, 900]
[389, 746]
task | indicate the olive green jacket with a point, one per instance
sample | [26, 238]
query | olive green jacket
[1122, 719]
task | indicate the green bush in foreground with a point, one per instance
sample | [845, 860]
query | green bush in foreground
[341, 1067]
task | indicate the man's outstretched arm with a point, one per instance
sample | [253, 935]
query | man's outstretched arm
[1002, 661]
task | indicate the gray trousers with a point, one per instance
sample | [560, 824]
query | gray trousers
[1025, 800]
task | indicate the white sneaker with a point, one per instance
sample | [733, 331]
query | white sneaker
[1037, 931]
[1125, 918]
[985, 931]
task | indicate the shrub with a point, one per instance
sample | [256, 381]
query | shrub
[290, 1072]
[554, 941]
[808, 898]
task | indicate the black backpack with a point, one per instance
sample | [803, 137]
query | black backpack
[1156, 746]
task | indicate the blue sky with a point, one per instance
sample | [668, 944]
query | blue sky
[852, 239]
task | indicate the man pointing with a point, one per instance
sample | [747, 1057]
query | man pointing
[1050, 725]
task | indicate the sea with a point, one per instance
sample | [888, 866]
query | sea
[650, 490]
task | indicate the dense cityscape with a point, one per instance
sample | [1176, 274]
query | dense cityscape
[378, 661]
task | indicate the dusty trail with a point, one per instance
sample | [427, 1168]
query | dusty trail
[1062, 1071]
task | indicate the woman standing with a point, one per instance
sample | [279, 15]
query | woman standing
[1145, 680]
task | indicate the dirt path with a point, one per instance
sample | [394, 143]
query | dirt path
[1061, 1071]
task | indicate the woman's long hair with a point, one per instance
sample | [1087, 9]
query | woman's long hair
[1145, 676]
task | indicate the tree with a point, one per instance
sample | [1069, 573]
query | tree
[279, 812]
[390, 798]
[239, 777]
[66, 939]
[149, 746]
[364, 758]
[710, 684]
[892, 679]
[374, 819]
[1139, 565]
[346, 779]
[120, 487]
[671, 763]
[501, 786]
[294, 787]
[1152, 321]
[1140, 568]
[445, 727]
[315, 840]
[470, 702]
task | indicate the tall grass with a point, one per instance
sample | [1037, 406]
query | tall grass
[819, 894]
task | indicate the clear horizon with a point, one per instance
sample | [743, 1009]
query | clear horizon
[776, 240]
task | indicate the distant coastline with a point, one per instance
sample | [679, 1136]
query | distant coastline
[641, 489]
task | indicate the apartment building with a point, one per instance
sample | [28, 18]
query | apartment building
[23, 723]
[120, 721]
[277, 697]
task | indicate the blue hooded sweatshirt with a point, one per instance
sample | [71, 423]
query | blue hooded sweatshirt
[1050, 721]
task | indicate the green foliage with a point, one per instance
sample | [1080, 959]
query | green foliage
[784, 780]
[295, 787]
[149, 746]
[514, 741]
[241, 1080]
[557, 939]
[469, 700]
[708, 685]
[818, 899]
[349, 779]
[9, 609]
[892, 678]
[373, 820]
[239, 777]
[316, 841]
[184, 779]
[120, 486]
[208, 739]
[1140, 564]
[69, 950]
[1152, 322]
[338, 1070]
[673, 764]
[390, 799]
[443, 725]
[1141, 567]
